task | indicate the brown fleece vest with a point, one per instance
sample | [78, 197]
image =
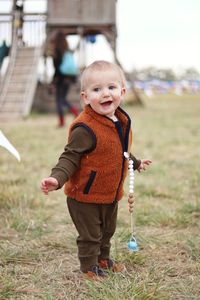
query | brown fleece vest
[102, 170]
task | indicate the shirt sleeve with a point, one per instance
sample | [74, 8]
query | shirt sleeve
[80, 142]
[136, 162]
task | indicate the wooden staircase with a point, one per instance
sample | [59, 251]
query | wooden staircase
[19, 84]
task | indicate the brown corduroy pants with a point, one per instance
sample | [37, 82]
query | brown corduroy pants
[96, 224]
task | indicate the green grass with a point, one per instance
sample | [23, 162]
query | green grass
[38, 255]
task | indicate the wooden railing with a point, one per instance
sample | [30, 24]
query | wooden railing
[4, 84]
[34, 30]
[33, 35]
[6, 29]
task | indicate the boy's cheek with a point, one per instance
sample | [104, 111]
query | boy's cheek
[94, 101]
[117, 93]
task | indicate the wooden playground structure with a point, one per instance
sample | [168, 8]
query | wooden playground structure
[30, 34]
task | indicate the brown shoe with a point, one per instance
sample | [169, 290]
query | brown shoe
[109, 264]
[95, 273]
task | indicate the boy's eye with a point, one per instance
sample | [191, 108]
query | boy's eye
[96, 89]
[111, 87]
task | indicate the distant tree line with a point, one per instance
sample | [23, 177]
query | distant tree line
[168, 74]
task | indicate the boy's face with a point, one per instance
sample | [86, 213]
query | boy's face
[103, 92]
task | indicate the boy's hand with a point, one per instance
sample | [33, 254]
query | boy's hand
[49, 184]
[144, 163]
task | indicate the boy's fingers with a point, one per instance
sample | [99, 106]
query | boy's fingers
[149, 162]
[44, 187]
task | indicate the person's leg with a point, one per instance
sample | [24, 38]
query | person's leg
[65, 91]
[60, 93]
[85, 217]
[109, 220]
[66, 102]
[108, 227]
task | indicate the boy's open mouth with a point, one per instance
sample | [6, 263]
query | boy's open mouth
[107, 103]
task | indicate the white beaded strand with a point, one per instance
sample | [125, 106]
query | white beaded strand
[131, 186]
[132, 244]
[131, 176]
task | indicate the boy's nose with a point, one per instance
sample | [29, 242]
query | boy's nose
[106, 93]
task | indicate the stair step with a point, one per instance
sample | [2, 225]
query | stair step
[22, 70]
[12, 109]
[16, 84]
[19, 82]
[14, 97]
[16, 89]
[8, 116]
[25, 50]
[12, 106]
[14, 101]
[18, 78]
[25, 54]
[25, 58]
[23, 63]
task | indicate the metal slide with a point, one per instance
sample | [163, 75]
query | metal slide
[19, 83]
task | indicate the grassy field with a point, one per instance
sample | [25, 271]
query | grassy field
[38, 257]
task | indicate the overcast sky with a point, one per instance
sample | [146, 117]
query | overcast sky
[163, 33]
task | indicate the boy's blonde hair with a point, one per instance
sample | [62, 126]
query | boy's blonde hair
[101, 65]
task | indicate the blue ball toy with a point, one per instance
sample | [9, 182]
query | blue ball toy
[132, 245]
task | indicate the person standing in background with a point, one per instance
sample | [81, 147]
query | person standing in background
[62, 82]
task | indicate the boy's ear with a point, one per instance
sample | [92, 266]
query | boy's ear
[84, 98]
[123, 91]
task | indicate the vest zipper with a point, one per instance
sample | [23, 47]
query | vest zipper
[124, 148]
